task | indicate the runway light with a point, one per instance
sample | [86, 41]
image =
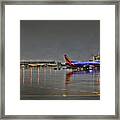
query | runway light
[64, 95]
[90, 70]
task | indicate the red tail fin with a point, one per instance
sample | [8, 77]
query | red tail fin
[67, 59]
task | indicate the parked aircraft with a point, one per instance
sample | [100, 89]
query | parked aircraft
[78, 64]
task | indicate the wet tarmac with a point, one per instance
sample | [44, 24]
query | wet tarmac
[45, 83]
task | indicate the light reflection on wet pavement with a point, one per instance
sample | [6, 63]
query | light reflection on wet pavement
[49, 84]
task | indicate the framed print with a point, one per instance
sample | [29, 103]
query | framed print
[59, 59]
[50, 78]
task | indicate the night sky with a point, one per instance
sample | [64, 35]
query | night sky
[51, 39]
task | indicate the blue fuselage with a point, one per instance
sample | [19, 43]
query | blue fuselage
[82, 64]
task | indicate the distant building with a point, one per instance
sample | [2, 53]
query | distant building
[95, 58]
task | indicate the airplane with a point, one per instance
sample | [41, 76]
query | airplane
[78, 64]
